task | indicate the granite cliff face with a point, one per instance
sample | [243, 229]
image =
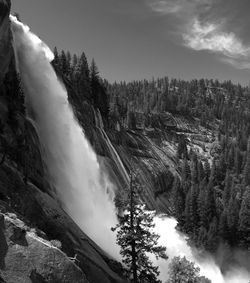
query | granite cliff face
[151, 152]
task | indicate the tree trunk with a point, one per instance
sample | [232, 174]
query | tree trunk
[133, 249]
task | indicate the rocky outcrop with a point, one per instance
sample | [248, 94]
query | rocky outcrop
[26, 257]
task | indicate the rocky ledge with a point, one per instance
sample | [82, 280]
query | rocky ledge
[27, 257]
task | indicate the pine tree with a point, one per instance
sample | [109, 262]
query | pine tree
[182, 270]
[82, 76]
[237, 161]
[182, 148]
[201, 173]
[227, 189]
[56, 59]
[202, 237]
[185, 176]
[244, 218]
[98, 91]
[207, 169]
[136, 239]
[209, 207]
[191, 210]
[212, 235]
[64, 66]
[202, 204]
[73, 66]
[178, 200]
[233, 214]
[246, 175]
[223, 229]
[194, 169]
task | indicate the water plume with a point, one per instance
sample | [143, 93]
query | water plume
[177, 246]
[85, 193]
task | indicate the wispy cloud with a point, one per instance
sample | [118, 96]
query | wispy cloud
[200, 29]
[210, 36]
[239, 63]
[165, 7]
[178, 6]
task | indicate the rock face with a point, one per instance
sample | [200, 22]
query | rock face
[151, 152]
[6, 51]
[26, 257]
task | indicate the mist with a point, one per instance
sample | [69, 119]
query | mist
[176, 244]
[72, 168]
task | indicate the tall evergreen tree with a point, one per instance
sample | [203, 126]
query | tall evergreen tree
[244, 218]
[178, 199]
[98, 91]
[246, 174]
[137, 239]
[191, 210]
[56, 61]
[207, 169]
[64, 66]
[182, 148]
[233, 214]
[82, 77]
[227, 189]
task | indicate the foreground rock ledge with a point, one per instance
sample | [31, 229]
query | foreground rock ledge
[26, 257]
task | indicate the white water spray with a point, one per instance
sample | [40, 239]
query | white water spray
[177, 246]
[86, 194]
[72, 165]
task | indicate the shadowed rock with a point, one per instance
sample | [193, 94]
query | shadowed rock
[36, 277]
[3, 243]
[18, 236]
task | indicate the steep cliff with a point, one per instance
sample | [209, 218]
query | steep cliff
[25, 192]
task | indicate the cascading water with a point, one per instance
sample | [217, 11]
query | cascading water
[177, 246]
[84, 192]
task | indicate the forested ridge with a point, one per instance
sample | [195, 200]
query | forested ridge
[210, 197]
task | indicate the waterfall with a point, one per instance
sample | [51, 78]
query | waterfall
[84, 192]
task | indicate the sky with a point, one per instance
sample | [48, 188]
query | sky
[137, 39]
